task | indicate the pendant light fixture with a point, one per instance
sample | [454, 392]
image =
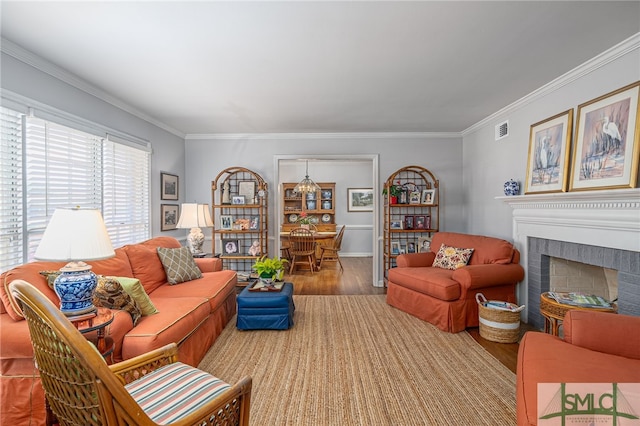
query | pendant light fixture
[306, 185]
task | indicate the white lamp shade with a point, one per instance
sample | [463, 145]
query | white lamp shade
[195, 216]
[75, 234]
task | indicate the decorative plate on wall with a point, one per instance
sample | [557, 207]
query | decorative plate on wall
[293, 218]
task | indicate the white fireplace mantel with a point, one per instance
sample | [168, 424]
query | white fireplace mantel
[607, 218]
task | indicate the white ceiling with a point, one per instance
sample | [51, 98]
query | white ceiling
[355, 66]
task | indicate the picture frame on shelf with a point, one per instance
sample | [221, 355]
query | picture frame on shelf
[549, 148]
[428, 197]
[238, 200]
[606, 149]
[414, 197]
[247, 188]
[226, 222]
[403, 248]
[231, 247]
[408, 222]
[395, 247]
[395, 224]
[169, 214]
[420, 222]
[254, 223]
[360, 199]
[411, 247]
[424, 244]
[169, 186]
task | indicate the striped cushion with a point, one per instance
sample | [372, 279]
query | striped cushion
[174, 391]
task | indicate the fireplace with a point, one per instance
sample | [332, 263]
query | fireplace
[600, 228]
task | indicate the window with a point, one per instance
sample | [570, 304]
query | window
[47, 165]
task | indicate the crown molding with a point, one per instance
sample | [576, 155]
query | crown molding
[41, 64]
[608, 56]
[325, 136]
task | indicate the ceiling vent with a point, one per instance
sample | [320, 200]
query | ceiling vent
[502, 130]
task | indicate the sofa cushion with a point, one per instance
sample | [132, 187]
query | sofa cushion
[178, 264]
[176, 320]
[134, 288]
[486, 249]
[110, 294]
[452, 258]
[145, 262]
[213, 286]
[437, 283]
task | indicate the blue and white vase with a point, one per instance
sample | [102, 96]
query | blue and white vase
[511, 187]
[75, 290]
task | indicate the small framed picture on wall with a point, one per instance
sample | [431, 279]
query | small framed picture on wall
[169, 214]
[168, 187]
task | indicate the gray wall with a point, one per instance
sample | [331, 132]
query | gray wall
[168, 149]
[206, 157]
[488, 163]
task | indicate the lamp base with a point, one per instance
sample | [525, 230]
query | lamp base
[195, 239]
[75, 286]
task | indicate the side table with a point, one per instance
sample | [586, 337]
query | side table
[554, 312]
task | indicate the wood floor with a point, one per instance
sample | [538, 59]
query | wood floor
[357, 278]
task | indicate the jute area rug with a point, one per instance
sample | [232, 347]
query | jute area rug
[354, 360]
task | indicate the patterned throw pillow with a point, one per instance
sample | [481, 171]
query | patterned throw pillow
[135, 289]
[110, 294]
[50, 276]
[452, 257]
[179, 265]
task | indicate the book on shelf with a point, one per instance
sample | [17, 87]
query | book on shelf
[580, 299]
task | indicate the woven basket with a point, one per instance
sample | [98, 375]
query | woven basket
[498, 325]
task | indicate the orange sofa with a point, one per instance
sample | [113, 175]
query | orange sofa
[192, 314]
[597, 347]
[446, 298]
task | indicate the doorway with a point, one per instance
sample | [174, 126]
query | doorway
[338, 169]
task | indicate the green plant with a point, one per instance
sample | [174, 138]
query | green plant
[394, 190]
[269, 266]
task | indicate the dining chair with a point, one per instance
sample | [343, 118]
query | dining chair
[330, 253]
[150, 389]
[302, 248]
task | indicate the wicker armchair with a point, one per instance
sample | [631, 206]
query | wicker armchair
[150, 389]
[330, 253]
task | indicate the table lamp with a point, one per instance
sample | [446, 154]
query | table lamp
[74, 235]
[194, 216]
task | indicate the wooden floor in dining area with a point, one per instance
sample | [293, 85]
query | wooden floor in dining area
[357, 278]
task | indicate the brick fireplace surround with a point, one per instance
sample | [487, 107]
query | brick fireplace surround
[600, 228]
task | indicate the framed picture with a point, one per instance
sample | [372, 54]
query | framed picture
[408, 222]
[231, 247]
[395, 247]
[247, 188]
[420, 222]
[254, 222]
[168, 187]
[360, 199]
[237, 199]
[424, 244]
[411, 247]
[395, 224]
[169, 214]
[414, 197]
[606, 148]
[428, 196]
[548, 161]
[226, 222]
[403, 248]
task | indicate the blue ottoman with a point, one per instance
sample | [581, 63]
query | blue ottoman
[265, 310]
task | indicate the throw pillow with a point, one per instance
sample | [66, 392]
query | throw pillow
[110, 294]
[452, 257]
[179, 265]
[50, 276]
[136, 291]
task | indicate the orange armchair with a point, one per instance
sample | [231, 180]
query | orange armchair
[597, 347]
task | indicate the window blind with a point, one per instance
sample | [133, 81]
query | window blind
[11, 200]
[58, 166]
